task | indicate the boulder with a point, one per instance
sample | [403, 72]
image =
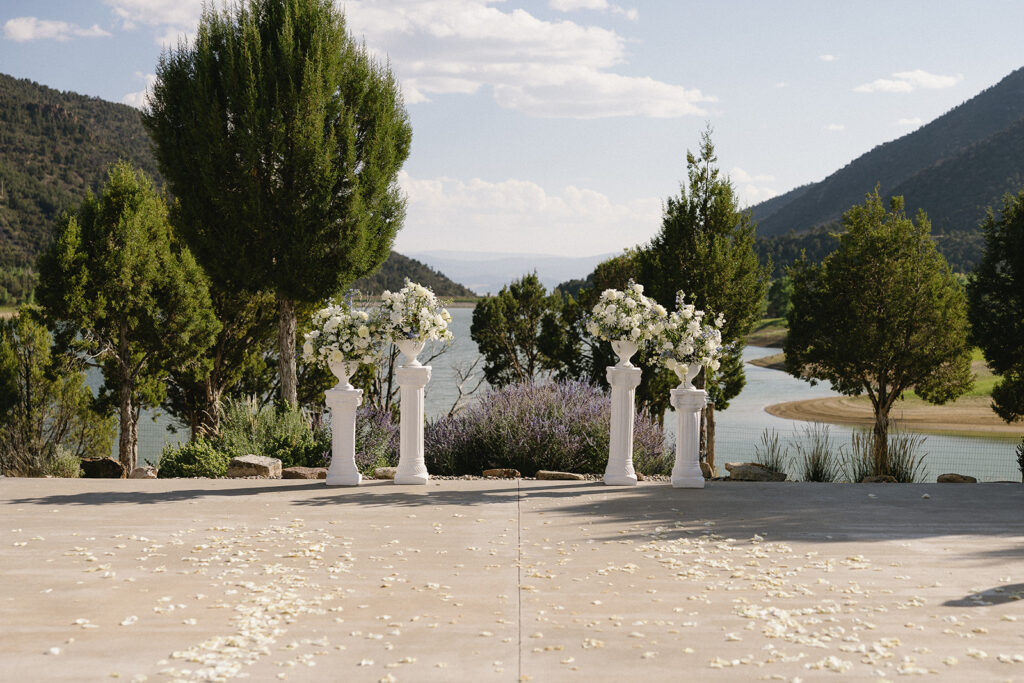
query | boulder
[956, 479]
[102, 468]
[752, 471]
[144, 472]
[254, 466]
[384, 472]
[547, 474]
[304, 473]
[640, 476]
[879, 479]
[503, 473]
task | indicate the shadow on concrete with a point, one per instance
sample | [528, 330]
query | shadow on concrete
[109, 497]
[991, 596]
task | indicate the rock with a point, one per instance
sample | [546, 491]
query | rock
[254, 466]
[503, 473]
[706, 471]
[752, 471]
[956, 479]
[144, 472]
[384, 472]
[640, 476]
[102, 468]
[547, 474]
[879, 479]
[304, 473]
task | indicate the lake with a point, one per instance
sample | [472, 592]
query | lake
[738, 428]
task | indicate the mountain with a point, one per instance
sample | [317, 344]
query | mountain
[487, 273]
[953, 168]
[55, 146]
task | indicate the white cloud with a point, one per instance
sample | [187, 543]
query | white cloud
[138, 99]
[835, 126]
[781, 84]
[169, 18]
[908, 81]
[519, 215]
[913, 122]
[22, 29]
[542, 68]
[601, 5]
[827, 58]
[750, 187]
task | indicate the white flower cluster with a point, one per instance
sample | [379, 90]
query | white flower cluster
[414, 312]
[342, 334]
[686, 339]
[627, 315]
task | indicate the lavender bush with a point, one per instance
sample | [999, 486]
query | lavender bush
[557, 426]
[376, 439]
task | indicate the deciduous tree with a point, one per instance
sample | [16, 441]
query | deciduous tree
[881, 315]
[282, 139]
[996, 293]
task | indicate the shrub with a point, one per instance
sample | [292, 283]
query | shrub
[377, 439]
[288, 434]
[555, 426]
[64, 464]
[1020, 458]
[817, 461]
[197, 458]
[905, 461]
[769, 453]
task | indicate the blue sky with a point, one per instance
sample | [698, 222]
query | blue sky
[560, 126]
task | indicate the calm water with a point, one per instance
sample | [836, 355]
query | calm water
[739, 427]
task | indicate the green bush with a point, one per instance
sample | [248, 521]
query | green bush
[197, 458]
[64, 464]
[817, 461]
[1020, 458]
[288, 434]
[769, 453]
[906, 462]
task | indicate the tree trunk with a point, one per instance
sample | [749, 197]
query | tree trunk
[880, 445]
[128, 444]
[709, 415]
[286, 350]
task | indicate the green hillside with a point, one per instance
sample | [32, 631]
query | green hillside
[55, 146]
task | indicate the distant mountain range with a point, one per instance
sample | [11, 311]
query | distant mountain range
[55, 146]
[953, 168]
[487, 273]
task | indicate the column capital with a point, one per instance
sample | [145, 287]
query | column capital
[624, 377]
[413, 376]
[339, 398]
[688, 399]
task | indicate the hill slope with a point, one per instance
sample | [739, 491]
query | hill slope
[55, 146]
[952, 167]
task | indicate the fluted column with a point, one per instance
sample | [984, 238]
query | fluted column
[624, 380]
[411, 467]
[343, 404]
[688, 403]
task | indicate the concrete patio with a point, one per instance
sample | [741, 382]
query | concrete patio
[506, 580]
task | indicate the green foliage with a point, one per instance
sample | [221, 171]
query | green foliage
[770, 453]
[780, 297]
[65, 465]
[905, 462]
[287, 433]
[282, 139]
[880, 315]
[198, 458]
[1020, 458]
[397, 268]
[952, 168]
[54, 147]
[996, 293]
[46, 410]
[815, 454]
[507, 329]
[122, 293]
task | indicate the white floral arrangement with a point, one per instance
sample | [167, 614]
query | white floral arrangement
[627, 315]
[342, 334]
[687, 339]
[414, 312]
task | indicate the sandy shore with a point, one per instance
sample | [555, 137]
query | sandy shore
[972, 414]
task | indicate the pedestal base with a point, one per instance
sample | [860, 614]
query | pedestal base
[619, 479]
[344, 479]
[413, 479]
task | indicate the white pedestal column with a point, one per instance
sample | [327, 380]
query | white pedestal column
[343, 404]
[688, 403]
[411, 468]
[624, 380]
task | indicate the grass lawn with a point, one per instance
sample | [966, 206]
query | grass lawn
[768, 332]
[7, 312]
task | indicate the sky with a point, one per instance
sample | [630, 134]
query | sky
[561, 126]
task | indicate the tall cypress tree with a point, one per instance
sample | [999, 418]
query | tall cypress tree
[282, 140]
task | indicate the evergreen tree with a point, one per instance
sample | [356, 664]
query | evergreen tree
[122, 294]
[996, 293]
[706, 249]
[44, 401]
[282, 139]
[880, 315]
